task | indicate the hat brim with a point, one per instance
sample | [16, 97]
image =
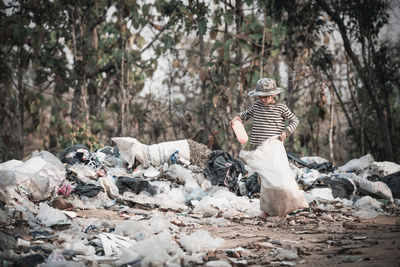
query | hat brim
[278, 90]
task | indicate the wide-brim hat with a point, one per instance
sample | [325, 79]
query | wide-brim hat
[266, 87]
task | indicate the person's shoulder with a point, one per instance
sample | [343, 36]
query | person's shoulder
[281, 105]
[257, 103]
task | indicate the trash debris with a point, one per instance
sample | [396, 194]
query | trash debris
[36, 178]
[377, 189]
[65, 190]
[155, 155]
[186, 205]
[200, 241]
[75, 154]
[50, 216]
[393, 181]
[357, 164]
[158, 250]
[135, 185]
[223, 169]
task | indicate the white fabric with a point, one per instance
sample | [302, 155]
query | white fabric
[131, 149]
[279, 191]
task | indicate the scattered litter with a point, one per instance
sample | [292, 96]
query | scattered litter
[50, 216]
[200, 241]
[357, 164]
[217, 264]
[178, 204]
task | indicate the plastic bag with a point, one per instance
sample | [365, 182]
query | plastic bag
[35, 178]
[50, 216]
[279, 191]
[200, 241]
[159, 250]
[223, 169]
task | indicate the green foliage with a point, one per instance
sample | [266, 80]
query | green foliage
[227, 57]
[322, 58]
[228, 17]
[202, 27]
[79, 133]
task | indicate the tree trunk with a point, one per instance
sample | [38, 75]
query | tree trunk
[364, 71]
[331, 123]
[263, 43]
[21, 109]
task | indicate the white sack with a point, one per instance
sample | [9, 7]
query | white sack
[376, 189]
[384, 168]
[279, 191]
[131, 149]
[357, 164]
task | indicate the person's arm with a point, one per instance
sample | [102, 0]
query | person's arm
[244, 116]
[247, 114]
[293, 123]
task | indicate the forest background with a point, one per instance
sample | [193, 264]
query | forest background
[85, 71]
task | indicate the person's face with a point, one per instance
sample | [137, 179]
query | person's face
[267, 99]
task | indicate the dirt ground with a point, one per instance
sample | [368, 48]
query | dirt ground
[318, 238]
[373, 242]
[309, 238]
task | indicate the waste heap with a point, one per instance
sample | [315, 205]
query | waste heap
[146, 205]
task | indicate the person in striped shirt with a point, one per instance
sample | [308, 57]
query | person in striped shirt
[269, 117]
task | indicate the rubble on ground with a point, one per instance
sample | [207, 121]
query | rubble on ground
[140, 205]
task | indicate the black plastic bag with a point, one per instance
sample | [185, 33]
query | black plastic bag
[223, 169]
[135, 185]
[75, 154]
[393, 181]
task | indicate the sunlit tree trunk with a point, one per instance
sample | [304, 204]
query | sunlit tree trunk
[331, 125]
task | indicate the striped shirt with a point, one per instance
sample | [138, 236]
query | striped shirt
[269, 120]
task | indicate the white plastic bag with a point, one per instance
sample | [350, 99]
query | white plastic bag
[159, 250]
[200, 240]
[35, 178]
[50, 216]
[279, 191]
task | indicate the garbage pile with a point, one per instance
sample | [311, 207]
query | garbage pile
[139, 205]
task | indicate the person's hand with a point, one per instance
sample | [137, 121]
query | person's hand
[236, 118]
[282, 137]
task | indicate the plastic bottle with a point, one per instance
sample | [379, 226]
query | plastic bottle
[240, 132]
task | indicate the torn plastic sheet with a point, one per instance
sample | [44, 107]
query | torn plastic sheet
[50, 216]
[112, 244]
[357, 164]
